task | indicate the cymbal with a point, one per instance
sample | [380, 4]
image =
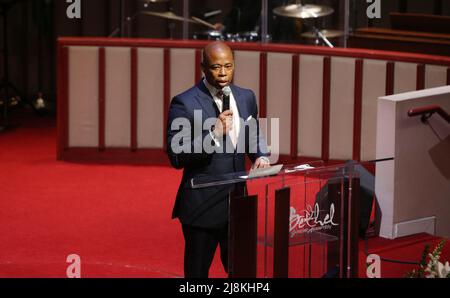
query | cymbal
[325, 32]
[300, 11]
[167, 15]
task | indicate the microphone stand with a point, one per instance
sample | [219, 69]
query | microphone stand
[319, 35]
[323, 37]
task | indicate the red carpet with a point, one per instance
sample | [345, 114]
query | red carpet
[117, 218]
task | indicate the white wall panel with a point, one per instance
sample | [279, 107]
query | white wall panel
[279, 77]
[83, 96]
[117, 97]
[435, 76]
[342, 92]
[405, 77]
[182, 70]
[310, 105]
[150, 110]
[246, 74]
[374, 86]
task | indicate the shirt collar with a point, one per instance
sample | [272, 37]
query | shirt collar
[213, 90]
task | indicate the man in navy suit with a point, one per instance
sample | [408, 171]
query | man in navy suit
[203, 212]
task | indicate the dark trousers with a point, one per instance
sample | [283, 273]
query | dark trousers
[200, 247]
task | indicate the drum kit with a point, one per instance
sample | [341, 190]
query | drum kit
[303, 12]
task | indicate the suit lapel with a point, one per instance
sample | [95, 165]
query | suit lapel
[205, 99]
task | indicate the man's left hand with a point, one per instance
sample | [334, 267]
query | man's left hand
[261, 162]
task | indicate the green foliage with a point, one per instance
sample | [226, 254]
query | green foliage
[433, 268]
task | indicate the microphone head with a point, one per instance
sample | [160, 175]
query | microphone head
[226, 90]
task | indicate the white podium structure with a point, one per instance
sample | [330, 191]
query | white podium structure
[414, 189]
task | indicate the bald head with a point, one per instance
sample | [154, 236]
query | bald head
[218, 64]
[215, 48]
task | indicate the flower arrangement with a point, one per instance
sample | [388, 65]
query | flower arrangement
[434, 268]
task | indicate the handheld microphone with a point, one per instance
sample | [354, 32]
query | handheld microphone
[226, 98]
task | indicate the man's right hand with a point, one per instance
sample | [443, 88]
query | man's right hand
[224, 123]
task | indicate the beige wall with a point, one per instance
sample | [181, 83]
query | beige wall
[83, 95]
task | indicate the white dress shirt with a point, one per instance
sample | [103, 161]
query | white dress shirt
[234, 131]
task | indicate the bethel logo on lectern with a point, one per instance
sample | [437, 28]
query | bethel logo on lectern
[310, 220]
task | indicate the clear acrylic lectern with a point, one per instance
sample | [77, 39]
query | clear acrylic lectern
[300, 222]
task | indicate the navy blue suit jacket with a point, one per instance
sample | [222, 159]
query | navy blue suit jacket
[208, 207]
